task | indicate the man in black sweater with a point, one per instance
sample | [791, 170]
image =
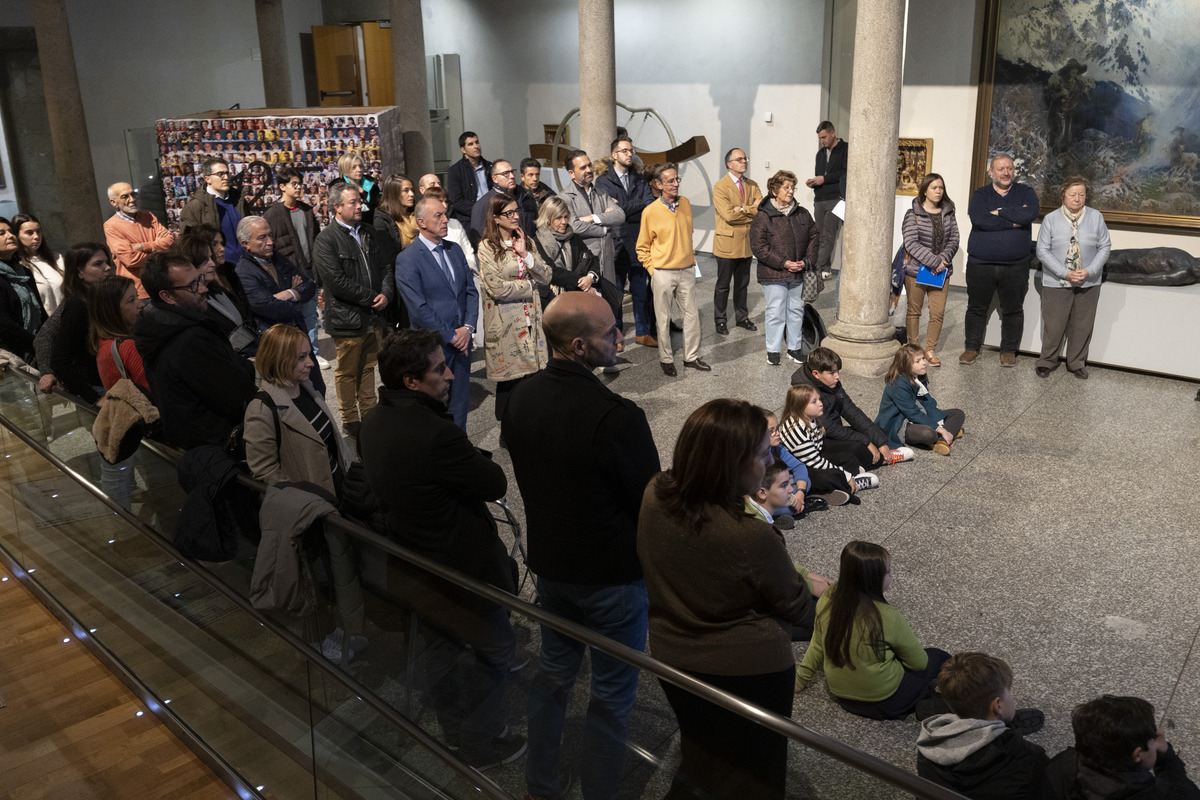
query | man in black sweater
[827, 183]
[582, 492]
[998, 251]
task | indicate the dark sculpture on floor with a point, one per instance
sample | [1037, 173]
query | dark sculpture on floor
[1149, 266]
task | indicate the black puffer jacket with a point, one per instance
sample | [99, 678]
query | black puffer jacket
[353, 277]
[776, 237]
[839, 406]
[200, 385]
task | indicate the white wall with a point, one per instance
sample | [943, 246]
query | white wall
[141, 60]
[710, 69]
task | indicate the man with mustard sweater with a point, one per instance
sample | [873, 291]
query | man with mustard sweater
[664, 247]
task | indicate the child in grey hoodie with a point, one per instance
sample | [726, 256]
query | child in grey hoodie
[978, 749]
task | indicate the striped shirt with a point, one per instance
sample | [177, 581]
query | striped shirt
[321, 423]
[804, 440]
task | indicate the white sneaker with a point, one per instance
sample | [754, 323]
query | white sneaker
[901, 454]
[322, 362]
[866, 480]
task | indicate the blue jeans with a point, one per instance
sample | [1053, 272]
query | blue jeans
[311, 327]
[618, 611]
[628, 267]
[785, 308]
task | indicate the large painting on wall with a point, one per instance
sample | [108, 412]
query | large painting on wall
[1107, 89]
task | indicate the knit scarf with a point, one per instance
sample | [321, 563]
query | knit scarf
[23, 284]
[1072, 261]
[554, 244]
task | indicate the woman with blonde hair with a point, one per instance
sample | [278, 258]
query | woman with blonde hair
[352, 170]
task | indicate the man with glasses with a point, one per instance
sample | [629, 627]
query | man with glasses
[359, 283]
[294, 228]
[200, 385]
[504, 179]
[132, 235]
[665, 247]
[624, 183]
[594, 215]
[217, 205]
[735, 201]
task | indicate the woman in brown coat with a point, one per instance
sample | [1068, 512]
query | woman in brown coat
[783, 237]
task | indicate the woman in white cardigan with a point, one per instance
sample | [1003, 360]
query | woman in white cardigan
[1073, 246]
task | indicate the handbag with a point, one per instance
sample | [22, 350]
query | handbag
[813, 284]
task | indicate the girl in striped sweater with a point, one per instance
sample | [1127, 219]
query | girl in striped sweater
[804, 438]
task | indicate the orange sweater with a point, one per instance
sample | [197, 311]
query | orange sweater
[122, 235]
[665, 240]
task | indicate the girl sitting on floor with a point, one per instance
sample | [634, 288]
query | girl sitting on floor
[873, 664]
[907, 397]
[802, 434]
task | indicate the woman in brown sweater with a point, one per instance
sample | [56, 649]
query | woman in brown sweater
[723, 596]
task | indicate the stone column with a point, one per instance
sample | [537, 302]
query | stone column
[862, 334]
[597, 77]
[68, 126]
[412, 98]
[272, 45]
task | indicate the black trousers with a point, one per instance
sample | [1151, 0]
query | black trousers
[847, 454]
[915, 686]
[1009, 282]
[923, 434]
[737, 270]
[723, 755]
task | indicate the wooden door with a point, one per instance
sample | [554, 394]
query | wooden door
[377, 45]
[339, 73]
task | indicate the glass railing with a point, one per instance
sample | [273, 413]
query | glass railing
[269, 695]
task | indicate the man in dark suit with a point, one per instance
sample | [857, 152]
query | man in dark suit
[433, 486]
[582, 545]
[440, 295]
[625, 184]
[468, 179]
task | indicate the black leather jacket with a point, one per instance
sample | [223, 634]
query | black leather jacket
[352, 277]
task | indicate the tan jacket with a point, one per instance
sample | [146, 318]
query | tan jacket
[513, 340]
[301, 455]
[732, 239]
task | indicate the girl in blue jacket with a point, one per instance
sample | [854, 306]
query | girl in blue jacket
[907, 397]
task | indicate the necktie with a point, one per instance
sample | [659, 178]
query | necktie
[741, 189]
[625, 182]
[441, 254]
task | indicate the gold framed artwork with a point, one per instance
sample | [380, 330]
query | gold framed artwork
[914, 160]
[548, 132]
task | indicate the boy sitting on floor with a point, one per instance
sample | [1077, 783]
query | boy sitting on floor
[862, 438]
[776, 492]
[978, 750]
[1119, 752]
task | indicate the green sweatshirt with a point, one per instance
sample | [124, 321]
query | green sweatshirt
[870, 679]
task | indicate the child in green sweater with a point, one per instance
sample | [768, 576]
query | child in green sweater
[874, 665]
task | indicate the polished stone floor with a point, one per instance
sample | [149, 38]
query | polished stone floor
[1059, 534]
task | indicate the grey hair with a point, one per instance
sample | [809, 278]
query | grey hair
[992, 161]
[243, 228]
[337, 190]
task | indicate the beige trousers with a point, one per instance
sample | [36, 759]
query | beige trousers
[680, 285]
[937, 310]
[354, 375]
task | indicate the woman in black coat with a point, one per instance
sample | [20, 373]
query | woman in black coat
[575, 268]
[72, 360]
[21, 312]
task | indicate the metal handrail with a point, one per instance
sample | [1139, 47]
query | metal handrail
[785, 726]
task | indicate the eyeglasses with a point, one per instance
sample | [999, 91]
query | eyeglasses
[737, 160]
[671, 181]
[510, 213]
[502, 174]
[625, 150]
[193, 287]
[221, 174]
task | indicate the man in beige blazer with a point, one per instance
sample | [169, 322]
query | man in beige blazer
[735, 200]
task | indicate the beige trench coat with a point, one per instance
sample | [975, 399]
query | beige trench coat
[513, 340]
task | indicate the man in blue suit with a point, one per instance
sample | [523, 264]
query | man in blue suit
[440, 295]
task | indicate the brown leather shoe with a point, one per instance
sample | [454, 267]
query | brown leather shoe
[1008, 359]
[668, 368]
[968, 357]
[620, 347]
[932, 358]
[646, 341]
[698, 364]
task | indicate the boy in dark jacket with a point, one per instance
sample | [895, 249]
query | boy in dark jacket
[978, 750]
[861, 438]
[1119, 752]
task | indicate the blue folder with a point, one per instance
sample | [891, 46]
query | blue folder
[927, 278]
